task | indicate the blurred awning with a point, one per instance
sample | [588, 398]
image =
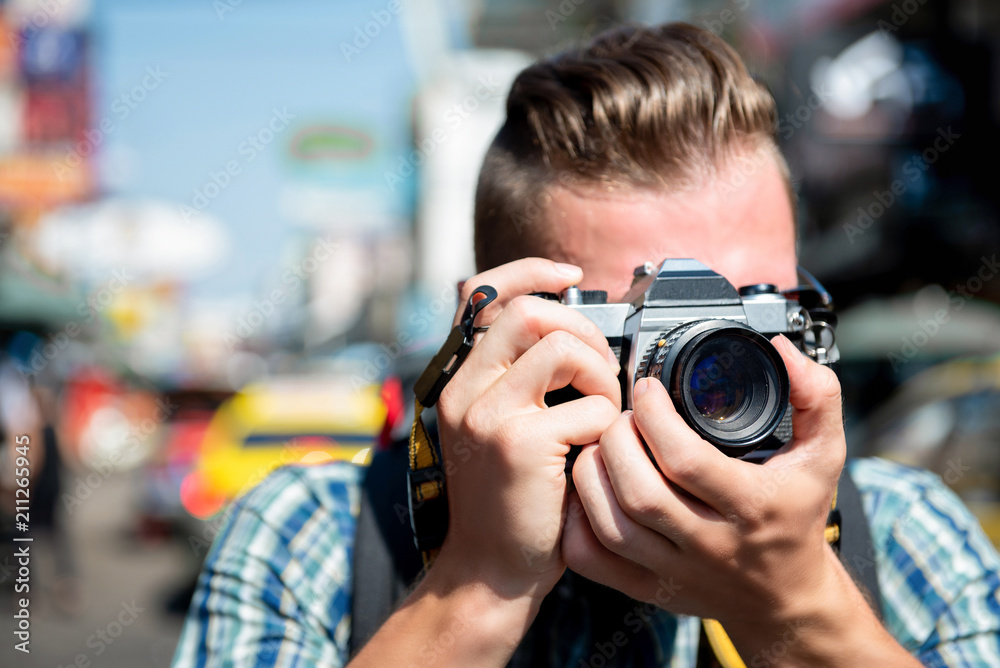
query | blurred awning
[151, 240]
[930, 324]
[31, 299]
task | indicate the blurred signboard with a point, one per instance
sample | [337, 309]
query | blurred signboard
[30, 179]
[56, 100]
[51, 55]
[55, 113]
[8, 49]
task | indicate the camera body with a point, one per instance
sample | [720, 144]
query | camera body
[709, 344]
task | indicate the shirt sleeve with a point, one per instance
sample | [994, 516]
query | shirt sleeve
[936, 568]
[275, 589]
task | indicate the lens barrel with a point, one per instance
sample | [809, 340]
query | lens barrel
[727, 381]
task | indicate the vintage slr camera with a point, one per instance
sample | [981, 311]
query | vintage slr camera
[708, 343]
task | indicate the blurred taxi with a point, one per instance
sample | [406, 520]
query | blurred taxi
[308, 419]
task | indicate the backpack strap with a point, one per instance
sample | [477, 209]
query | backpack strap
[385, 560]
[855, 547]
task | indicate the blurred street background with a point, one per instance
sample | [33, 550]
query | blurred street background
[230, 232]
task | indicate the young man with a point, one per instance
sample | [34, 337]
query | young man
[644, 144]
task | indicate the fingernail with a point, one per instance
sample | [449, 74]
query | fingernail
[568, 269]
[613, 361]
[797, 357]
[640, 389]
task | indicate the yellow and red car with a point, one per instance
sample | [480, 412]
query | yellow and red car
[278, 421]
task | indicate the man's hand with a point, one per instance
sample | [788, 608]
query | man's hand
[738, 542]
[504, 449]
[504, 460]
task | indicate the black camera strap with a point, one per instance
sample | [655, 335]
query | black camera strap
[425, 480]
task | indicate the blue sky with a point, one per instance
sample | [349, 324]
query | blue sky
[224, 77]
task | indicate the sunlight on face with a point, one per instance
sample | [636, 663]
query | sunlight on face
[745, 232]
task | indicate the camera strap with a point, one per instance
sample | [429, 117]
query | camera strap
[425, 479]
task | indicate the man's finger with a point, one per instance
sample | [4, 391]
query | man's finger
[616, 531]
[687, 460]
[522, 324]
[818, 422]
[584, 554]
[642, 491]
[521, 277]
[558, 360]
[577, 422]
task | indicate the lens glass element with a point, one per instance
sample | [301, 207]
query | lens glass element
[720, 389]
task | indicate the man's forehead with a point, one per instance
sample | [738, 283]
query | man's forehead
[742, 229]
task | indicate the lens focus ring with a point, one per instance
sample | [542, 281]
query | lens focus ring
[727, 381]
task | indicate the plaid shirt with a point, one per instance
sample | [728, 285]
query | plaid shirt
[276, 586]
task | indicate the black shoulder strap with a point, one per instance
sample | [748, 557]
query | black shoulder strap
[386, 561]
[856, 550]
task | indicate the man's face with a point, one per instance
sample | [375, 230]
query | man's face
[746, 232]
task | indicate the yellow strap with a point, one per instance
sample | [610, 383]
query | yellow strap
[722, 646]
[422, 456]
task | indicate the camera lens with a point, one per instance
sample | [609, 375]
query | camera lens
[727, 381]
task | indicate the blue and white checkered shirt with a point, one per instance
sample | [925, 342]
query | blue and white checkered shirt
[276, 587]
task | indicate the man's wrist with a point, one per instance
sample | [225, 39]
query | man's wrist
[482, 617]
[833, 626]
[451, 619]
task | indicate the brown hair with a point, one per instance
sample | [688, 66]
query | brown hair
[644, 107]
